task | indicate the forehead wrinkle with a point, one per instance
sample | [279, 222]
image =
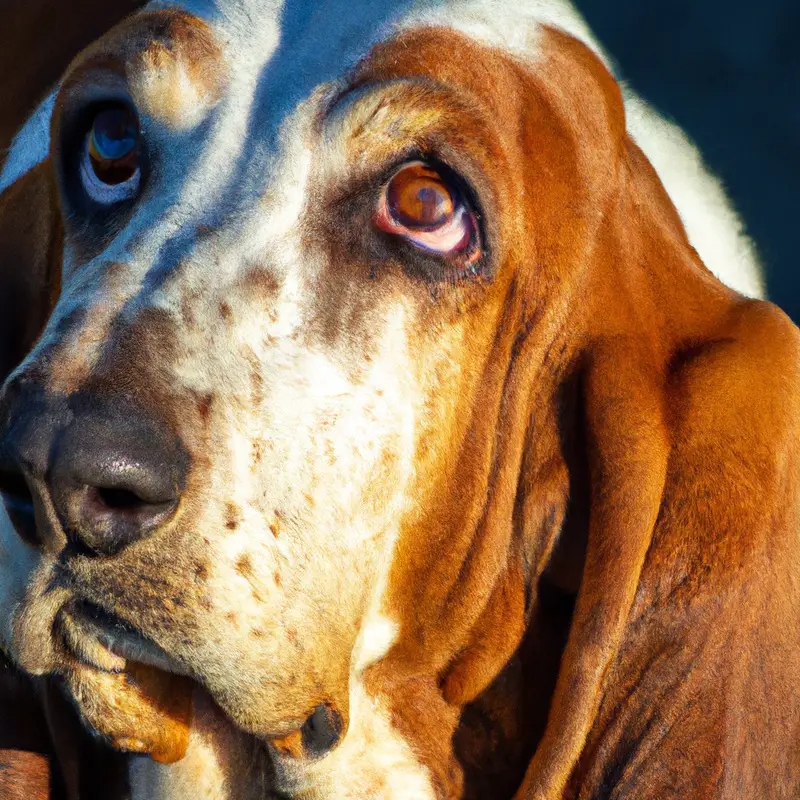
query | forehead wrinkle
[326, 39]
[266, 42]
[237, 159]
[239, 22]
[170, 62]
[263, 67]
[396, 113]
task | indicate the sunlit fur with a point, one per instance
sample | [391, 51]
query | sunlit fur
[320, 405]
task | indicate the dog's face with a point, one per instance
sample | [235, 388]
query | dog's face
[257, 422]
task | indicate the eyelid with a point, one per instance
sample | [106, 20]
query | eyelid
[456, 237]
[105, 193]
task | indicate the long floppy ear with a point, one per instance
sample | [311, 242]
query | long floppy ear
[627, 452]
[30, 261]
[30, 255]
[688, 400]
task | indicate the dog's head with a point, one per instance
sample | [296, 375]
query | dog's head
[302, 327]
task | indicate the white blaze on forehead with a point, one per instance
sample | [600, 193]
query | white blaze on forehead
[280, 52]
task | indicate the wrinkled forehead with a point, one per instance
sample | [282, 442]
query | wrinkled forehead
[229, 94]
[291, 46]
[282, 51]
[277, 52]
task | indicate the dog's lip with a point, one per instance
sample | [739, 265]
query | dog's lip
[102, 640]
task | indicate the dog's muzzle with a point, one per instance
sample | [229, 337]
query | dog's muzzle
[96, 472]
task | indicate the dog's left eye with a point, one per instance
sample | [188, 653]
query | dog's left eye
[109, 167]
[425, 207]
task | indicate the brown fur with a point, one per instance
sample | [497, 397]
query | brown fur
[39, 40]
[152, 45]
[598, 595]
[665, 365]
[24, 776]
[30, 256]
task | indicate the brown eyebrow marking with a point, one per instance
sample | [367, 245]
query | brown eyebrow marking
[244, 566]
[166, 59]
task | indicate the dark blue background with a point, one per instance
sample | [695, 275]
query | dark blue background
[729, 74]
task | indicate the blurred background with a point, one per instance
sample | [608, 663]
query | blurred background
[728, 72]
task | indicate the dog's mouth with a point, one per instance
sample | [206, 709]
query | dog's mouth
[106, 642]
[141, 699]
[128, 689]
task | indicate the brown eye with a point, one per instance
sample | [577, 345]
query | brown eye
[422, 204]
[417, 197]
[110, 166]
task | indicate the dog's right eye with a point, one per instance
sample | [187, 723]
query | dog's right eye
[110, 171]
[422, 204]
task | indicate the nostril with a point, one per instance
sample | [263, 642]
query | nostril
[116, 499]
[116, 475]
[322, 730]
[18, 501]
[102, 519]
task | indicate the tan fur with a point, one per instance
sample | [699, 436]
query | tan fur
[481, 517]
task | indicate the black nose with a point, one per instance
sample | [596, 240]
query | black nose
[110, 472]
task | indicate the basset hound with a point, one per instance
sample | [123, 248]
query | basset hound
[397, 417]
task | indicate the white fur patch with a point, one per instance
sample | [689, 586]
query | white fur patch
[377, 635]
[31, 145]
[714, 228]
[372, 761]
[219, 764]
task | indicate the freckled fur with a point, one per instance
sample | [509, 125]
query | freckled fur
[390, 479]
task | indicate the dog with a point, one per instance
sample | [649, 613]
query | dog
[398, 416]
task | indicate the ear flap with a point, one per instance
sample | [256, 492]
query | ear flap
[30, 256]
[628, 450]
